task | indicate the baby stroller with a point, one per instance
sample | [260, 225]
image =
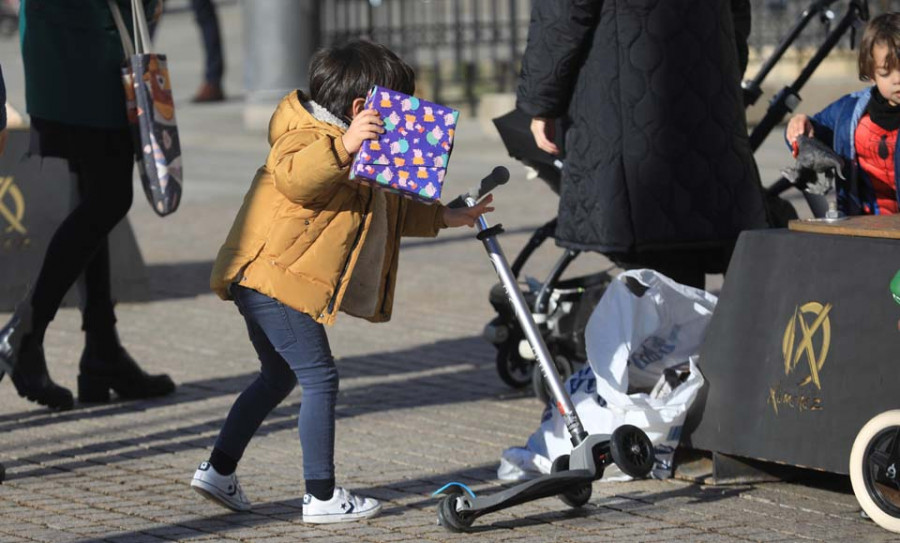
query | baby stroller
[561, 308]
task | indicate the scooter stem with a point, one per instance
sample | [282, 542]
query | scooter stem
[545, 361]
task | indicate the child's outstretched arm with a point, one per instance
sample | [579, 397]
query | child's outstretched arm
[466, 216]
[423, 220]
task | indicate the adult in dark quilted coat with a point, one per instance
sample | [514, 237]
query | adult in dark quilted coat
[658, 167]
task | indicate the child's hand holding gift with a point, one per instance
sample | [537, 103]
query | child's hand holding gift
[366, 125]
[466, 216]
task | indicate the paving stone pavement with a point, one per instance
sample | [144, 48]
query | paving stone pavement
[420, 401]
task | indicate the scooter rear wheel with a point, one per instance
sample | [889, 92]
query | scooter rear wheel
[449, 516]
[874, 469]
[632, 451]
[577, 496]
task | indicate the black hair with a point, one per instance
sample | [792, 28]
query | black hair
[342, 73]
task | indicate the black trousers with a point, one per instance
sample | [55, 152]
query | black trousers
[102, 161]
[205, 14]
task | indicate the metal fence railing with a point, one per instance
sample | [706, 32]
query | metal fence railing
[773, 19]
[459, 48]
[464, 48]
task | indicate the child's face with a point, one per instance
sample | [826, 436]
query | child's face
[887, 80]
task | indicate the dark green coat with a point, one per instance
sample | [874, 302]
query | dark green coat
[73, 56]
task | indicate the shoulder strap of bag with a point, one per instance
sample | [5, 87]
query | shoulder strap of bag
[141, 32]
[123, 31]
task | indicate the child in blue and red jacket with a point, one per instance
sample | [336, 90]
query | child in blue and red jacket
[862, 126]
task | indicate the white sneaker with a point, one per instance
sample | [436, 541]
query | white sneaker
[342, 507]
[225, 490]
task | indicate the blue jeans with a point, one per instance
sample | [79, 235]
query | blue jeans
[292, 348]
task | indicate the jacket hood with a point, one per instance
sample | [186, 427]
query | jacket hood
[297, 111]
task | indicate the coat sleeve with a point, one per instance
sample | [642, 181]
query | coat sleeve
[558, 35]
[423, 220]
[825, 122]
[308, 165]
[741, 14]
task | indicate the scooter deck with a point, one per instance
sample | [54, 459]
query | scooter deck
[535, 489]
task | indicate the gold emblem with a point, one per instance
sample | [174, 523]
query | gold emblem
[809, 323]
[12, 214]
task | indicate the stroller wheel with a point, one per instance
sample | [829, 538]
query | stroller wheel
[514, 370]
[632, 451]
[449, 515]
[873, 469]
[564, 367]
[574, 497]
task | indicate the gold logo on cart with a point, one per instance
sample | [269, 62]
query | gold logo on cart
[12, 212]
[809, 323]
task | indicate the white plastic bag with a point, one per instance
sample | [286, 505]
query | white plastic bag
[644, 324]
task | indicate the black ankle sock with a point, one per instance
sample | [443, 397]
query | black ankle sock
[222, 463]
[322, 489]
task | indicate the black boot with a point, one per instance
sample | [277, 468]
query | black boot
[106, 365]
[32, 380]
[9, 340]
[11, 336]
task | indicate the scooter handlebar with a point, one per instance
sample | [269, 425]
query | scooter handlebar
[498, 177]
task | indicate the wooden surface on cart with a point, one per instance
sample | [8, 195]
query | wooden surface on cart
[870, 226]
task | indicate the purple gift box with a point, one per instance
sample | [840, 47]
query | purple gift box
[411, 156]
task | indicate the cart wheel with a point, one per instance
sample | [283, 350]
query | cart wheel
[564, 367]
[449, 516]
[632, 451]
[577, 496]
[874, 461]
[514, 370]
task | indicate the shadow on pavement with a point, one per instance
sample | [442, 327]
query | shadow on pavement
[395, 497]
[469, 359]
[178, 280]
[439, 378]
[191, 279]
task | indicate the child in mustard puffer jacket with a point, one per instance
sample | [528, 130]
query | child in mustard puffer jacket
[306, 243]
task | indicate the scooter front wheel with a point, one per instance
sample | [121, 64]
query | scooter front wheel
[632, 451]
[874, 469]
[575, 497]
[450, 513]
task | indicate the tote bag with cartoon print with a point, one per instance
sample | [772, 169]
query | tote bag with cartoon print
[151, 113]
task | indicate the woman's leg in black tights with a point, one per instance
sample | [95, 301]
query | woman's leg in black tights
[103, 162]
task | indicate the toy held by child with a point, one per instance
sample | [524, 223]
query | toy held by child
[862, 127]
[307, 243]
[813, 158]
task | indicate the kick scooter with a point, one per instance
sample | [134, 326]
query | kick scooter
[571, 475]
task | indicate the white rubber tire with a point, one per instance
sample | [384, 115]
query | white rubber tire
[857, 467]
